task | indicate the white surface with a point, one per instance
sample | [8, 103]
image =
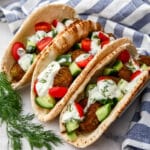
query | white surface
[110, 141]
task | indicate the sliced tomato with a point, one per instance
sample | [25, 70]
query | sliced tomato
[103, 37]
[135, 74]
[58, 92]
[15, 48]
[79, 109]
[43, 43]
[34, 87]
[104, 43]
[86, 44]
[84, 62]
[124, 56]
[44, 26]
[55, 22]
[103, 78]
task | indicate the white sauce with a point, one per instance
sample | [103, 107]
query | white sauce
[25, 61]
[37, 36]
[50, 34]
[20, 51]
[62, 60]
[46, 78]
[132, 84]
[40, 34]
[95, 46]
[105, 89]
[71, 113]
[68, 22]
[94, 35]
[82, 57]
[60, 27]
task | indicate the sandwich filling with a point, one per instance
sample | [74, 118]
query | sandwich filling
[100, 96]
[54, 81]
[25, 53]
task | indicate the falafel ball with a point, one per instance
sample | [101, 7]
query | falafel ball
[16, 72]
[63, 78]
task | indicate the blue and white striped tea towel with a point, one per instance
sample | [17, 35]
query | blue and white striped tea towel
[130, 18]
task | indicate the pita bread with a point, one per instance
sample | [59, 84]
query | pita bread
[84, 140]
[45, 13]
[70, 36]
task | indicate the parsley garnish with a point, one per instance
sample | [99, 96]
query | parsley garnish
[18, 125]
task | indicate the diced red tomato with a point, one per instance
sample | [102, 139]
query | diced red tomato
[103, 78]
[34, 87]
[44, 26]
[79, 109]
[103, 37]
[124, 56]
[104, 43]
[15, 48]
[84, 62]
[43, 43]
[86, 44]
[58, 92]
[135, 74]
[55, 22]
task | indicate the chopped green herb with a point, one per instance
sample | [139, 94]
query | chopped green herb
[18, 125]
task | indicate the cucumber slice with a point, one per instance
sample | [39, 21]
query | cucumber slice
[72, 136]
[64, 60]
[45, 102]
[103, 112]
[72, 125]
[74, 69]
[122, 84]
[89, 87]
[34, 56]
[144, 67]
[118, 65]
[119, 94]
[112, 71]
[54, 33]
[109, 71]
[31, 47]
[77, 46]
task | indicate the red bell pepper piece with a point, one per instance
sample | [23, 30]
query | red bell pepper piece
[104, 43]
[43, 43]
[135, 74]
[124, 56]
[79, 109]
[86, 44]
[58, 92]
[103, 78]
[44, 26]
[15, 48]
[103, 37]
[84, 62]
[55, 22]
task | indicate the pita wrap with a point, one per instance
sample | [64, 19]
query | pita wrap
[45, 13]
[85, 139]
[72, 35]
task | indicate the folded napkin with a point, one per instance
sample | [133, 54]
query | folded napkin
[130, 18]
[138, 136]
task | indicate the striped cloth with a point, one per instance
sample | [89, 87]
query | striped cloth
[130, 18]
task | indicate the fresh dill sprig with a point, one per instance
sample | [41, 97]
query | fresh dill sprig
[18, 125]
